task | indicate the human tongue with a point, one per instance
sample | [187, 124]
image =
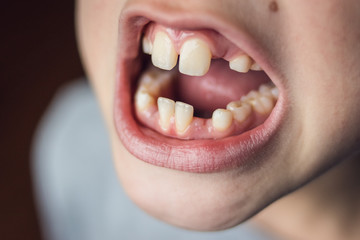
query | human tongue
[218, 87]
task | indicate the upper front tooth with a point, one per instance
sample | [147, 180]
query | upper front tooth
[147, 45]
[183, 116]
[195, 57]
[255, 67]
[164, 55]
[241, 63]
[240, 110]
[222, 119]
[166, 111]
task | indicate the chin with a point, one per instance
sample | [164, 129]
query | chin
[202, 202]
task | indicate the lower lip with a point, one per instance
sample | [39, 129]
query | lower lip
[200, 156]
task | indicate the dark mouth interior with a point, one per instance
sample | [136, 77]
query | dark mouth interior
[212, 91]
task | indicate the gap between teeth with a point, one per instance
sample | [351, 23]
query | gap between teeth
[180, 115]
[195, 56]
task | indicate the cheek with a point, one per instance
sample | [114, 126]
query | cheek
[97, 29]
[322, 63]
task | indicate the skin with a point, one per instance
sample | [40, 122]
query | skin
[316, 48]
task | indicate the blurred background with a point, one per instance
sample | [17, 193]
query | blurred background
[38, 55]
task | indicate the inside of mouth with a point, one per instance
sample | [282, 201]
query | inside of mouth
[224, 102]
[217, 88]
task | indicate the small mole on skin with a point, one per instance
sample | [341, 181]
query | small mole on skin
[273, 6]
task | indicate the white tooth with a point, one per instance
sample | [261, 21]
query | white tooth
[164, 55]
[241, 63]
[265, 90]
[257, 105]
[149, 84]
[222, 119]
[267, 103]
[255, 67]
[143, 100]
[166, 111]
[147, 45]
[183, 116]
[251, 95]
[155, 83]
[195, 57]
[232, 105]
[240, 110]
[275, 93]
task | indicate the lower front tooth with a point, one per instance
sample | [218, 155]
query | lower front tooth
[166, 111]
[222, 119]
[240, 110]
[184, 114]
[143, 100]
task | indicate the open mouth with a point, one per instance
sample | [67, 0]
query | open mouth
[208, 89]
[190, 98]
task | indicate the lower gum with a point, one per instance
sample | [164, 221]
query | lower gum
[200, 128]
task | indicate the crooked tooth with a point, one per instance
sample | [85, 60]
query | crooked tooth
[222, 119]
[143, 100]
[166, 111]
[183, 116]
[147, 45]
[195, 57]
[164, 55]
[241, 63]
[240, 110]
[255, 67]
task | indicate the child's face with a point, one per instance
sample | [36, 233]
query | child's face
[309, 49]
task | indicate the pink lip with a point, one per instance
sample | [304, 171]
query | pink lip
[242, 151]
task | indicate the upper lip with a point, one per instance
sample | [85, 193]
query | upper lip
[195, 155]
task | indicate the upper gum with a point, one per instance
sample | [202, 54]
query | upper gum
[220, 46]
